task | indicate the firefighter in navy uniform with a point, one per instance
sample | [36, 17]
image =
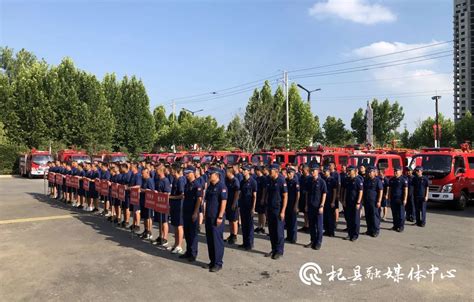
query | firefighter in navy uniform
[216, 200]
[410, 206]
[332, 185]
[352, 196]
[247, 202]
[277, 199]
[373, 193]
[398, 194]
[191, 204]
[316, 191]
[291, 214]
[420, 193]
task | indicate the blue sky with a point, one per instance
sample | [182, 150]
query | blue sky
[184, 48]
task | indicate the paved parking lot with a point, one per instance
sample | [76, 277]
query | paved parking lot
[51, 252]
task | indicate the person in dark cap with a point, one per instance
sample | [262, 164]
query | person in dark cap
[315, 201]
[191, 204]
[329, 218]
[260, 206]
[276, 206]
[373, 193]
[247, 201]
[410, 206]
[304, 179]
[292, 208]
[216, 200]
[420, 193]
[232, 208]
[352, 197]
[398, 194]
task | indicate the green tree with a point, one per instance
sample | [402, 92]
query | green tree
[303, 126]
[318, 133]
[423, 136]
[465, 129]
[358, 125]
[335, 132]
[113, 96]
[138, 123]
[387, 118]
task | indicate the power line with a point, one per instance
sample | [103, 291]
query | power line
[367, 67]
[245, 87]
[383, 79]
[370, 58]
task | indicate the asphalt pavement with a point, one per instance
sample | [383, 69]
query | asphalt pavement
[52, 252]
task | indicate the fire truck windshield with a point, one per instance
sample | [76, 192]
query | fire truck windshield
[231, 159]
[433, 163]
[115, 159]
[308, 158]
[207, 159]
[357, 160]
[81, 158]
[41, 159]
[257, 158]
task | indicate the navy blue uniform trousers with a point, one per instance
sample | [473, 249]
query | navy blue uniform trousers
[190, 229]
[353, 220]
[290, 222]
[420, 206]
[215, 241]
[246, 219]
[315, 225]
[398, 214]
[276, 228]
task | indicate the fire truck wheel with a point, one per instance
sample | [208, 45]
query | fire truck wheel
[29, 175]
[461, 202]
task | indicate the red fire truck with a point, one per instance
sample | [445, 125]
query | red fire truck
[450, 173]
[110, 157]
[70, 155]
[235, 157]
[323, 156]
[270, 156]
[34, 163]
[379, 159]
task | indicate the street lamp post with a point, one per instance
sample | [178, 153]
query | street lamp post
[308, 92]
[193, 112]
[437, 136]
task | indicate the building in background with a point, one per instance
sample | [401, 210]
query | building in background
[463, 24]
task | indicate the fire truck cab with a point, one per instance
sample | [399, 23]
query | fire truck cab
[450, 173]
[70, 155]
[380, 160]
[235, 157]
[34, 163]
[323, 157]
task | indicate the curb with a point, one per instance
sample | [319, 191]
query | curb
[10, 176]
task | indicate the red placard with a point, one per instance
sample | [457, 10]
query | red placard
[114, 187]
[59, 179]
[135, 196]
[162, 204]
[75, 182]
[121, 192]
[97, 183]
[149, 199]
[68, 180]
[51, 177]
[85, 184]
[104, 187]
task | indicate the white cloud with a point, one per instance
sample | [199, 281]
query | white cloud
[358, 11]
[423, 77]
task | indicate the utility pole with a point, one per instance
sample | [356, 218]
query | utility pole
[285, 78]
[193, 112]
[174, 110]
[437, 136]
